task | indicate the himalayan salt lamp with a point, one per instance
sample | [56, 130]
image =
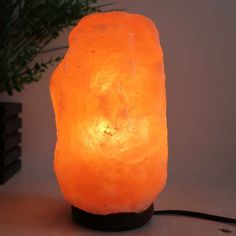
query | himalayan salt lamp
[109, 100]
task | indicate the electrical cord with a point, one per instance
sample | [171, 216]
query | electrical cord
[195, 214]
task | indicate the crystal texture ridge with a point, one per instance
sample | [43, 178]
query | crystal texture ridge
[109, 100]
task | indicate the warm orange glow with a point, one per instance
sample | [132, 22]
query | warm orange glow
[109, 100]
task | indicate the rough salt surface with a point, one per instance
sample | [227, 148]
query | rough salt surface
[109, 100]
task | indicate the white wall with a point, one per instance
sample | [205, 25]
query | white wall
[199, 43]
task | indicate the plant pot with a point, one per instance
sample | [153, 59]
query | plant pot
[10, 138]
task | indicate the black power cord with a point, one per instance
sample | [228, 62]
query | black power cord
[196, 215]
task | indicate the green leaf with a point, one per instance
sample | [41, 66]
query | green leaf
[26, 28]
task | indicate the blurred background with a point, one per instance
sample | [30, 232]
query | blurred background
[198, 39]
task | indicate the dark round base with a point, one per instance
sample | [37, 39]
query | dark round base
[112, 222]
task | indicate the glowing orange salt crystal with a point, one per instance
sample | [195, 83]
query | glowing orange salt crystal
[109, 100]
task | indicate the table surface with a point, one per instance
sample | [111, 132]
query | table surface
[31, 204]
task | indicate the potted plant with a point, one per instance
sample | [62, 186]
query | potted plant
[26, 28]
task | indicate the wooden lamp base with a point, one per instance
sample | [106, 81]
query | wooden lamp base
[112, 222]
